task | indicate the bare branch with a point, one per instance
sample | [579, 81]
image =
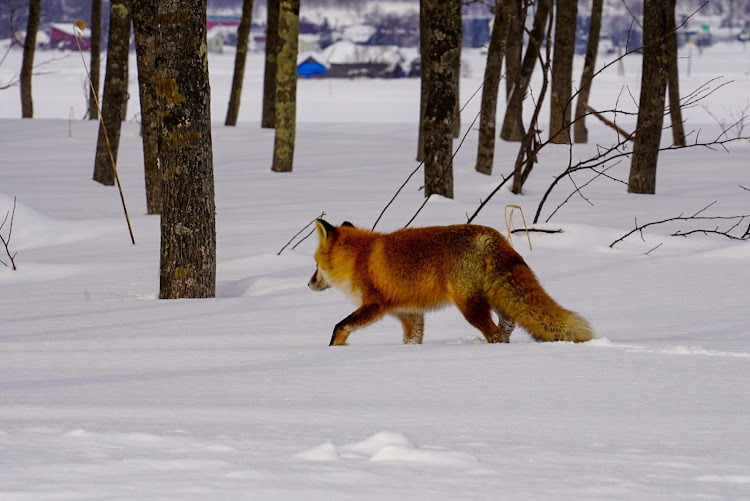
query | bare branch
[695, 217]
[6, 241]
[300, 231]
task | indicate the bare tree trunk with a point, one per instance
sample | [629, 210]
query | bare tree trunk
[456, 127]
[513, 129]
[492, 72]
[580, 133]
[443, 26]
[115, 91]
[27, 66]
[268, 120]
[243, 35]
[673, 78]
[562, 71]
[651, 104]
[96, 50]
[144, 12]
[424, 53]
[286, 87]
[514, 44]
[188, 222]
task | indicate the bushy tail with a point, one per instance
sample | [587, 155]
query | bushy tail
[519, 296]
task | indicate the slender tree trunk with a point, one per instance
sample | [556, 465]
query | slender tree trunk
[513, 129]
[492, 72]
[188, 222]
[96, 50]
[673, 78]
[456, 127]
[144, 12]
[424, 54]
[580, 132]
[514, 44]
[562, 71]
[243, 36]
[443, 26]
[115, 91]
[286, 87]
[651, 103]
[268, 120]
[27, 66]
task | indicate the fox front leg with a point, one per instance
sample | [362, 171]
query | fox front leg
[362, 317]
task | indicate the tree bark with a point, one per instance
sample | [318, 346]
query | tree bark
[673, 78]
[96, 50]
[513, 129]
[424, 54]
[562, 71]
[492, 72]
[27, 66]
[188, 223]
[268, 120]
[456, 124]
[443, 26]
[651, 104]
[243, 36]
[144, 12]
[514, 44]
[580, 132]
[115, 91]
[286, 87]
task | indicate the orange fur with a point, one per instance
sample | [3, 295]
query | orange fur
[410, 271]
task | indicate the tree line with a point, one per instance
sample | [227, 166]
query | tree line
[170, 40]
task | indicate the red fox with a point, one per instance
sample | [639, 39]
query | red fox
[410, 271]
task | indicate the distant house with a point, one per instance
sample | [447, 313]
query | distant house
[310, 67]
[63, 36]
[345, 59]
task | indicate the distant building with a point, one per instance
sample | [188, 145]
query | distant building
[310, 67]
[63, 36]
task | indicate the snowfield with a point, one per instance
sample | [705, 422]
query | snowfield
[107, 392]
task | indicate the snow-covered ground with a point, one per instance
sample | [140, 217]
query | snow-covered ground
[109, 393]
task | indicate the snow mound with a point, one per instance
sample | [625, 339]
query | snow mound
[387, 446]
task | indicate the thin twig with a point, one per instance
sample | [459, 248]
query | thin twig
[300, 231]
[80, 25]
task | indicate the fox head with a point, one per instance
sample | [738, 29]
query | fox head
[327, 235]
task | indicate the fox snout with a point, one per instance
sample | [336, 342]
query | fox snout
[318, 282]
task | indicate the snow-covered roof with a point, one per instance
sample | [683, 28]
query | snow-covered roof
[359, 33]
[346, 52]
[70, 29]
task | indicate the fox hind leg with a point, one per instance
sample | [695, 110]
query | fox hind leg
[476, 310]
[505, 324]
[413, 324]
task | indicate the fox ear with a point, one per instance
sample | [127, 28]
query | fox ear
[324, 229]
[347, 224]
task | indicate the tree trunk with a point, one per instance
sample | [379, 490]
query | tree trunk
[188, 222]
[443, 27]
[562, 71]
[513, 129]
[492, 72]
[456, 125]
[115, 91]
[424, 54]
[243, 35]
[514, 44]
[673, 78]
[27, 66]
[144, 12]
[580, 133]
[651, 103]
[286, 87]
[268, 120]
[96, 50]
